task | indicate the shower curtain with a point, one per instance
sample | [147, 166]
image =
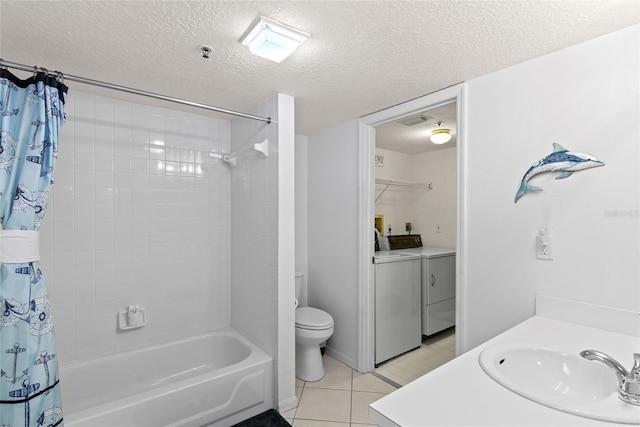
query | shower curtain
[32, 112]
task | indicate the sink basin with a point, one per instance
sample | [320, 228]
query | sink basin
[562, 381]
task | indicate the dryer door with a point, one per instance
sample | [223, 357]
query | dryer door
[440, 278]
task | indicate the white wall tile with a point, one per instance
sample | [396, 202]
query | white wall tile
[122, 113]
[254, 294]
[123, 162]
[84, 209]
[128, 220]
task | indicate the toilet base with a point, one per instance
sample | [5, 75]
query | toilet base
[309, 365]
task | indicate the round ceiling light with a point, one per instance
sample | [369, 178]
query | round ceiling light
[440, 136]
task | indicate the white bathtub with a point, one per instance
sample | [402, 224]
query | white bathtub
[214, 379]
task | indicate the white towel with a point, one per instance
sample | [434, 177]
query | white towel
[19, 246]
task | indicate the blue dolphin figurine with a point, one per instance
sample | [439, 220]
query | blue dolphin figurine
[561, 160]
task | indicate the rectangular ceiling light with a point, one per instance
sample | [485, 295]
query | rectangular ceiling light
[273, 40]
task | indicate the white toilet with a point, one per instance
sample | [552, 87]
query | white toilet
[313, 327]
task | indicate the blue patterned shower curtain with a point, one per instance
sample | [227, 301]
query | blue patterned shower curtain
[32, 112]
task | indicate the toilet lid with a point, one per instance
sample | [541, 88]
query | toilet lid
[312, 318]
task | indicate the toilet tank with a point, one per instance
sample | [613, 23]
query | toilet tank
[301, 289]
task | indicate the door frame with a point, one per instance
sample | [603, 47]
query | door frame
[366, 211]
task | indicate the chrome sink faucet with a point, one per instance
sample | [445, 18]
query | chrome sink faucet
[628, 381]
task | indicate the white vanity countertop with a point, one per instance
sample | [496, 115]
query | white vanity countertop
[461, 394]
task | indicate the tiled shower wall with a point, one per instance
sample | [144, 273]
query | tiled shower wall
[139, 214]
[254, 247]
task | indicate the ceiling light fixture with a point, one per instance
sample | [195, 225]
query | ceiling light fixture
[440, 135]
[272, 39]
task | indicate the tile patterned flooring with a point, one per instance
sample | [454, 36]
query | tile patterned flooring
[342, 397]
[434, 351]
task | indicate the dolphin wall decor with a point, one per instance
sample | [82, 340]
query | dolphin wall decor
[561, 160]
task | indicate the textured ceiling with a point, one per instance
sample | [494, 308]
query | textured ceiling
[363, 56]
[414, 139]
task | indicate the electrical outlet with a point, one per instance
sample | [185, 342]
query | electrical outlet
[438, 228]
[544, 244]
[407, 227]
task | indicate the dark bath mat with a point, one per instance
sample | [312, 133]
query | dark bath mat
[270, 418]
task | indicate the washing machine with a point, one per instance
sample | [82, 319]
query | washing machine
[438, 273]
[398, 313]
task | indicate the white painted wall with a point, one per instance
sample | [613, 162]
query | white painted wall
[394, 166]
[285, 359]
[397, 204]
[586, 98]
[438, 206]
[332, 229]
[301, 226]
[139, 214]
[422, 207]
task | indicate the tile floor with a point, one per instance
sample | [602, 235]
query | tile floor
[434, 351]
[342, 397]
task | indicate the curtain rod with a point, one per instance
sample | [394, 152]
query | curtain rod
[8, 64]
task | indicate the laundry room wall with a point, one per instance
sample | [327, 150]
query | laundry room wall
[395, 203]
[428, 209]
[394, 165]
[587, 99]
[436, 211]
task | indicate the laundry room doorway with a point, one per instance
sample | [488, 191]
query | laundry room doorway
[415, 215]
[419, 215]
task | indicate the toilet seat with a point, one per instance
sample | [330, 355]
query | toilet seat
[313, 319]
